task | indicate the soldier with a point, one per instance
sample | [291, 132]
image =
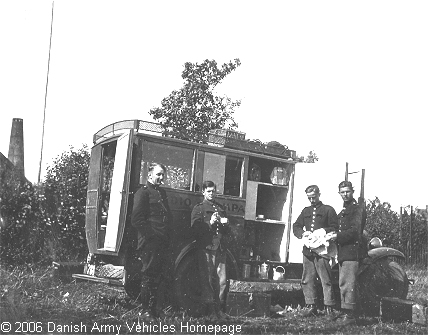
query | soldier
[313, 219]
[351, 250]
[151, 219]
[209, 224]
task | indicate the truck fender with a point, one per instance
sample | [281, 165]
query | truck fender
[382, 252]
[187, 249]
[377, 254]
[192, 246]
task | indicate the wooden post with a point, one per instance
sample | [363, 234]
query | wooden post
[400, 234]
[346, 172]
[410, 234]
[361, 199]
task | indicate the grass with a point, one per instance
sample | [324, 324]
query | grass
[83, 307]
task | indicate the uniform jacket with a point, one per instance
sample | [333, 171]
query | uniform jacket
[350, 242]
[151, 214]
[313, 218]
[203, 232]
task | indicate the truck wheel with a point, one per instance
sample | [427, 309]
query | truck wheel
[187, 286]
[384, 278]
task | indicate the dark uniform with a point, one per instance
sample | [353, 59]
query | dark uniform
[210, 252]
[351, 250]
[313, 218]
[151, 219]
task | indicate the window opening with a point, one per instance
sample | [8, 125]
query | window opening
[177, 160]
[232, 176]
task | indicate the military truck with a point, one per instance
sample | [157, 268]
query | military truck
[254, 184]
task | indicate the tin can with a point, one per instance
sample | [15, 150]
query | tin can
[246, 269]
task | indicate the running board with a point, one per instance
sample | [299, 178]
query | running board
[116, 282]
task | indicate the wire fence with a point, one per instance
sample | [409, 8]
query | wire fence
[416, 255]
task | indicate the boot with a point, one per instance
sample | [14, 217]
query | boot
[311, 310]
[331, 313]
[148, 302]
[220, 314]
[211, 312]
[349, 318]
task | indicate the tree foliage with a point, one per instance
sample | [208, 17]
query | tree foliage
[195, 107]
[23, 234]
[310, 158]
[65, 188]
[46, 222]
[394, 230]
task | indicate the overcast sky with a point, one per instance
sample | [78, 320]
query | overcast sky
[348, 80]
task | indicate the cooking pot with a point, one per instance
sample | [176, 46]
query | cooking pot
[278, 273]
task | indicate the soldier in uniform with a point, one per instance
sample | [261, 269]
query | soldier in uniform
[314, 217]
[209, 224]
[151, 220]
[351, 250]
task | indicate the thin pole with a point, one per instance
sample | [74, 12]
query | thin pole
[46, 94]
[401, 225]
[346, 172]
[410, 235]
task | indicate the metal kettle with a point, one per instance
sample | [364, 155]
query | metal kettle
[264, 271]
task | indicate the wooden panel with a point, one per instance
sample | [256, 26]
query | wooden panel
[402, 310]
[250, 207]
[91, 219]
[248, 304]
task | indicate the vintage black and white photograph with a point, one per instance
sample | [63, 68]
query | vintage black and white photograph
[213, 167]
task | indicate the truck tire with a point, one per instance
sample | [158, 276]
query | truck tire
[383, 278]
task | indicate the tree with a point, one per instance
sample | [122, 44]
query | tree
[383, 222]
[65, 189]
[195, 109]
[394, 231]
[22, 237]
[311, 158]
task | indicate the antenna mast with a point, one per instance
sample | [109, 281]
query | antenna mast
[46, 94]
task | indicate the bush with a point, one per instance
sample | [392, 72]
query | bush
[46, 222]
[386, 224]
[65, 190]
[22, 240]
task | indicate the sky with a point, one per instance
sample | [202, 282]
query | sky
[346, 79]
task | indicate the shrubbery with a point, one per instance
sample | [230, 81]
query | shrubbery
[23, 239]
[386, 224]
[46, 222]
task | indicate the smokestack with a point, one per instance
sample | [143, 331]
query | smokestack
[16, 145]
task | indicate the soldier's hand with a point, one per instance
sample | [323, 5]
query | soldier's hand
[214, 218]
[306, 234]
[331, 236]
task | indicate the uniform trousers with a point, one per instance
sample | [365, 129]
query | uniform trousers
[152, 255]
[212, 273]
[313, 265]
[348, 284]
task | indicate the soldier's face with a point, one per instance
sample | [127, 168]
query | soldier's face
[313, 197]
[157, 175]
[209, 193]
[346, 193]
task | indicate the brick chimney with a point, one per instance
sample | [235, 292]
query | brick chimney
[16, 145]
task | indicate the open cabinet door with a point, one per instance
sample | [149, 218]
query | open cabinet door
[119, 193]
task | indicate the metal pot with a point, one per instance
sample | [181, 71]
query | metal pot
[278, 273]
